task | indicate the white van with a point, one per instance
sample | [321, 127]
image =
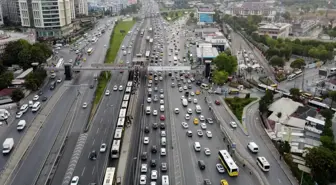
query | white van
[24, 108]
[185, 102]
[30, 103]
[197, 147]
[163, 141]
[163, 152]
[162, 108]
[198, 109]
[21, 125]
[148, 110]
[263, 164]
[204, 86]
[253, 147]
[165, 180]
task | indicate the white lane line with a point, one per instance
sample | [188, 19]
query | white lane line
[279, 181]
[83, 171]
[93, 170]
[101, 120]
[105, 131]
[104, 111]
[93, 141]
[97, 131]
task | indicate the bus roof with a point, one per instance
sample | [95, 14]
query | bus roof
[226, 156]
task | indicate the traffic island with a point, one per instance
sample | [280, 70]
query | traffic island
[237, 105]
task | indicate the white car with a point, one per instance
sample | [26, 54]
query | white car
[154, 175]
[209, 120]
[233, 124]
[176, 110]
[184, 125]
[200, 133]
[84, 105]
[150, 81]
[201, 117]
[74, 180]
[36, 97]
[187, 117]
[155, 112]
[192, 94]
[182, 97]
[149, 100]
[180, 89]
[102, 148]
[208, 133]
[195, 100]
[107, 92]
[189, 99]
[121, 88]
[185, 87]
[59, 80]
[161, 102]
[142, 179]
[189, 111]
[163, 133]
[143, 168]
[19, 114]
[203, 126]
[160, 78]
[161, 96]
[220, 168]
[207, 151]
[115, 87]
[146, 140]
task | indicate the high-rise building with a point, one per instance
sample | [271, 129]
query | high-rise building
[11, 11]
[81, 7]
[51, 19]
[1, 18]
[73, 9]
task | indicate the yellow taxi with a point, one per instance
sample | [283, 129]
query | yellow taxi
[196, 121]
[224, 182]
[198, 92]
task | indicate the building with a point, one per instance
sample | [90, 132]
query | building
[72, 9]
[6, 37]
[205, 15]
[81, 7]
[169, 4]
[1, 17]
[302, 27]
[331, 85]
[205, 54]
[20, 80]
[11, 11]
[253, 8]
[50, 19]
[295, 123]
[275, 30]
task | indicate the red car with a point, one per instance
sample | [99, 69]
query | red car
[217, 102]
[162, 117]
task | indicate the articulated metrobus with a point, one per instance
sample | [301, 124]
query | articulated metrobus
[89, 51]
[109, 178]
[147, 54]
[115, 150]
[228, 163]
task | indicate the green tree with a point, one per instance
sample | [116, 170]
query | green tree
[328, 142]
[6, 79]
[332, 95]
[295, 92]
[10, 55]
[227, 51]
[277, 61]
[17, 95]
[220, 77]
[298, 63]
[272, 52]
[265, 101]
[286, 16]
[192, 14]
[226, 63]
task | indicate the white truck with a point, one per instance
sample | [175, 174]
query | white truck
[7, 145]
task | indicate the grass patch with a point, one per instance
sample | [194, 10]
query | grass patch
[237, 105]
[117, 38]
[172, 16]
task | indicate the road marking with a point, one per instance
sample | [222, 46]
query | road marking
[105, 131]
[93, 170]
[83, 171]
[97, 131]
[93, 141]
[279, 181]
[101, 120]
[104, 111]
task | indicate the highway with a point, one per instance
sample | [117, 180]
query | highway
[48, 134]
[101, 131]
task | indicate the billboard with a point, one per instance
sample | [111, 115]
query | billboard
[206, 17]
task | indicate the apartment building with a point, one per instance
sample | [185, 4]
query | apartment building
[1, 18]
[275, 30]
[51, 19]
[81, 7]
[11, 11]
[253, 8]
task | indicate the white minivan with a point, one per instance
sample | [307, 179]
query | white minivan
[148, 110]
[163, 141]
[21, 125]
[197, 147]
[253, 147]
[162, 108]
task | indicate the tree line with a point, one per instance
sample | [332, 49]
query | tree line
[226, 65]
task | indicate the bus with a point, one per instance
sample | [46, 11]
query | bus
[109, 176]
[89, 51]
[263, 164]
[233, 91]
[147, 54]
[129, 84]
[118, 133]
[128, 89]
[59, 63]
[121, 123]
[228, 163]
[124, 104]
[294, 75]
[126, 97]
[36, 106]
[115, 150]
[122, 113]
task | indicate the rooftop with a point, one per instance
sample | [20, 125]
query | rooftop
[254, 5]
[25, 73]
[6, 92]
[205, 9]
[206, 51]
[274, 26]
[285, 106]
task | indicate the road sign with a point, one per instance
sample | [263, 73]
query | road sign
[169, 68]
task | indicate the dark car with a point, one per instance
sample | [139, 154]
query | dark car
[207, 182]
[44, 98]
[93, 155]
[162, 126]
[154, 149]
[91, 86]
[144, 156]
[155, 125]
[198, 82]
[186, 94]
[201, 164]
[146, 129]
[153, 163]
[40, 93]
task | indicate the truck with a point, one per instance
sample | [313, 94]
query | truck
[7, 145]
[184, 102]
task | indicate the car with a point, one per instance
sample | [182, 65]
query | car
[189, 111]
[93, 155]
[189, 133]
[143, 179]
[233, 124]
[155, 112]
[154, 174]
[161, 96]
[207, 182]
[102, 148]
[84, 105]
[144, 156]
[195, 101]
[149, 100]
[180, 89]
[161, 91]
[162, 117]
[154, 149]
[182, 97]
[217, 102]
[192, 94]
[203, 126]
[149, 85]
[155, 125]
[162, 125]
[209, 120]
[36, 97]
[107, 92]
[19, 114]
[163, 133]
[201, 117]
[161, 102]
[44, 98]
[196, 121]
[185, 87]
[187, 117]
[91, 86]
[164, 167]
[115, 87]
[74, 180]
[220, 168]
[153, 163]
[59, 80]
[189, 99]
[146, 140]
[176, 110]
[143, 168]
[209, 134]
[207, 151]
[184, 125]
[197, 92]
[121, 88]
[200, 133]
